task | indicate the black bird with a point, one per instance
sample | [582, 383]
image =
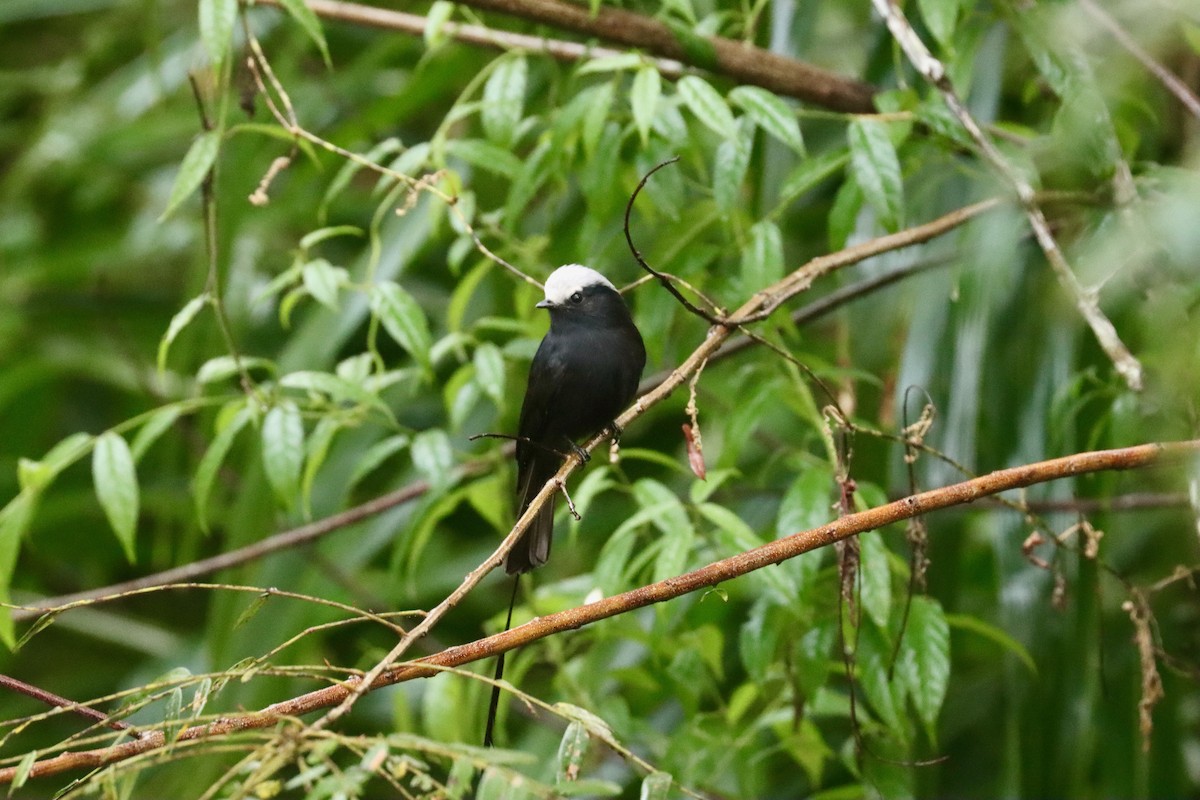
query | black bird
[585, 372]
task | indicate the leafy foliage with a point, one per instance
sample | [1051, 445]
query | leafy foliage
[352, 328]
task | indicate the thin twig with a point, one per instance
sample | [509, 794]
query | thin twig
[1086, 300]
[711, 319]
[1168, 79]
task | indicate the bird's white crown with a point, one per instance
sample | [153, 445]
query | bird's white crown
[567, 280]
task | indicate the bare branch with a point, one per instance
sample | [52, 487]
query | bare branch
[478, 35]
[734, 59]
[773, 552]
[1168, 79]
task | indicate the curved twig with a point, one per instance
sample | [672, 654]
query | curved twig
[662, 277]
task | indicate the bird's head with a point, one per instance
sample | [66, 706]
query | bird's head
[576, 293]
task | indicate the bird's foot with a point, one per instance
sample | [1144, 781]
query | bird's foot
[584, 455]
[614, 432]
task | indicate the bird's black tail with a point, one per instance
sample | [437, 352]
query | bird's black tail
[533, 548]
[494, 705]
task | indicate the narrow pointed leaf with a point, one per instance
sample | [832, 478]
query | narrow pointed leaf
[283, 451]
[770, 113]
[177, 324]
[206, 472]
[117, 488]
[504, 100]
[877, 170]
[403, 319]
[644, 97]
[310, 23]
[195, 166]
[216, 27]
[707, 105]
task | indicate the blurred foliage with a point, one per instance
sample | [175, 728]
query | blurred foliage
[347, 337]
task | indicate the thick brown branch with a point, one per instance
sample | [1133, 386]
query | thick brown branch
[741, 62]
[478, 35]
[58, 701]
[727, 569]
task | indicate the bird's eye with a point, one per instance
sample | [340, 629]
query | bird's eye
[576, 298]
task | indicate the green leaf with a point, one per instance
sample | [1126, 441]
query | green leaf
[592, 787]
[571, 751]
[283, 450]
[433, 456]
[496, 784]
[151, 429]
[940, 17]
[707, 105]
[178, 323]
[729, 168]
[223, 367]
[313, 238]
[339, 390]
[117, 488]
[192, 171]
[644, 97]
[315, 451]
[310, 23]
[987, 631]
[404, 320]
[656, 786]
[216, 27]
[15, 519]
[21, 773]
[538, 166]
[876, 578]
[810, 172]
[489, 371]
[435, 22]
[885, 695]
[770, 113]
[762, 259]
[206, 472]
[925, 658]
[34, 476]
[486, 156]
[843, 217]
[613, 63]
[322, 280]
[595, 116]
[376, 455]
[758, 640]
[504, 100]
[877, 170]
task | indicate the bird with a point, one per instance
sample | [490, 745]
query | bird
[584, 373]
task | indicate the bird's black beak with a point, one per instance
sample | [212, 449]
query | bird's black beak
[545, 304]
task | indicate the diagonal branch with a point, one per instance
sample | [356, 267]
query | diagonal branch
[774, 552]
[1087, 301]
[741, 62]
